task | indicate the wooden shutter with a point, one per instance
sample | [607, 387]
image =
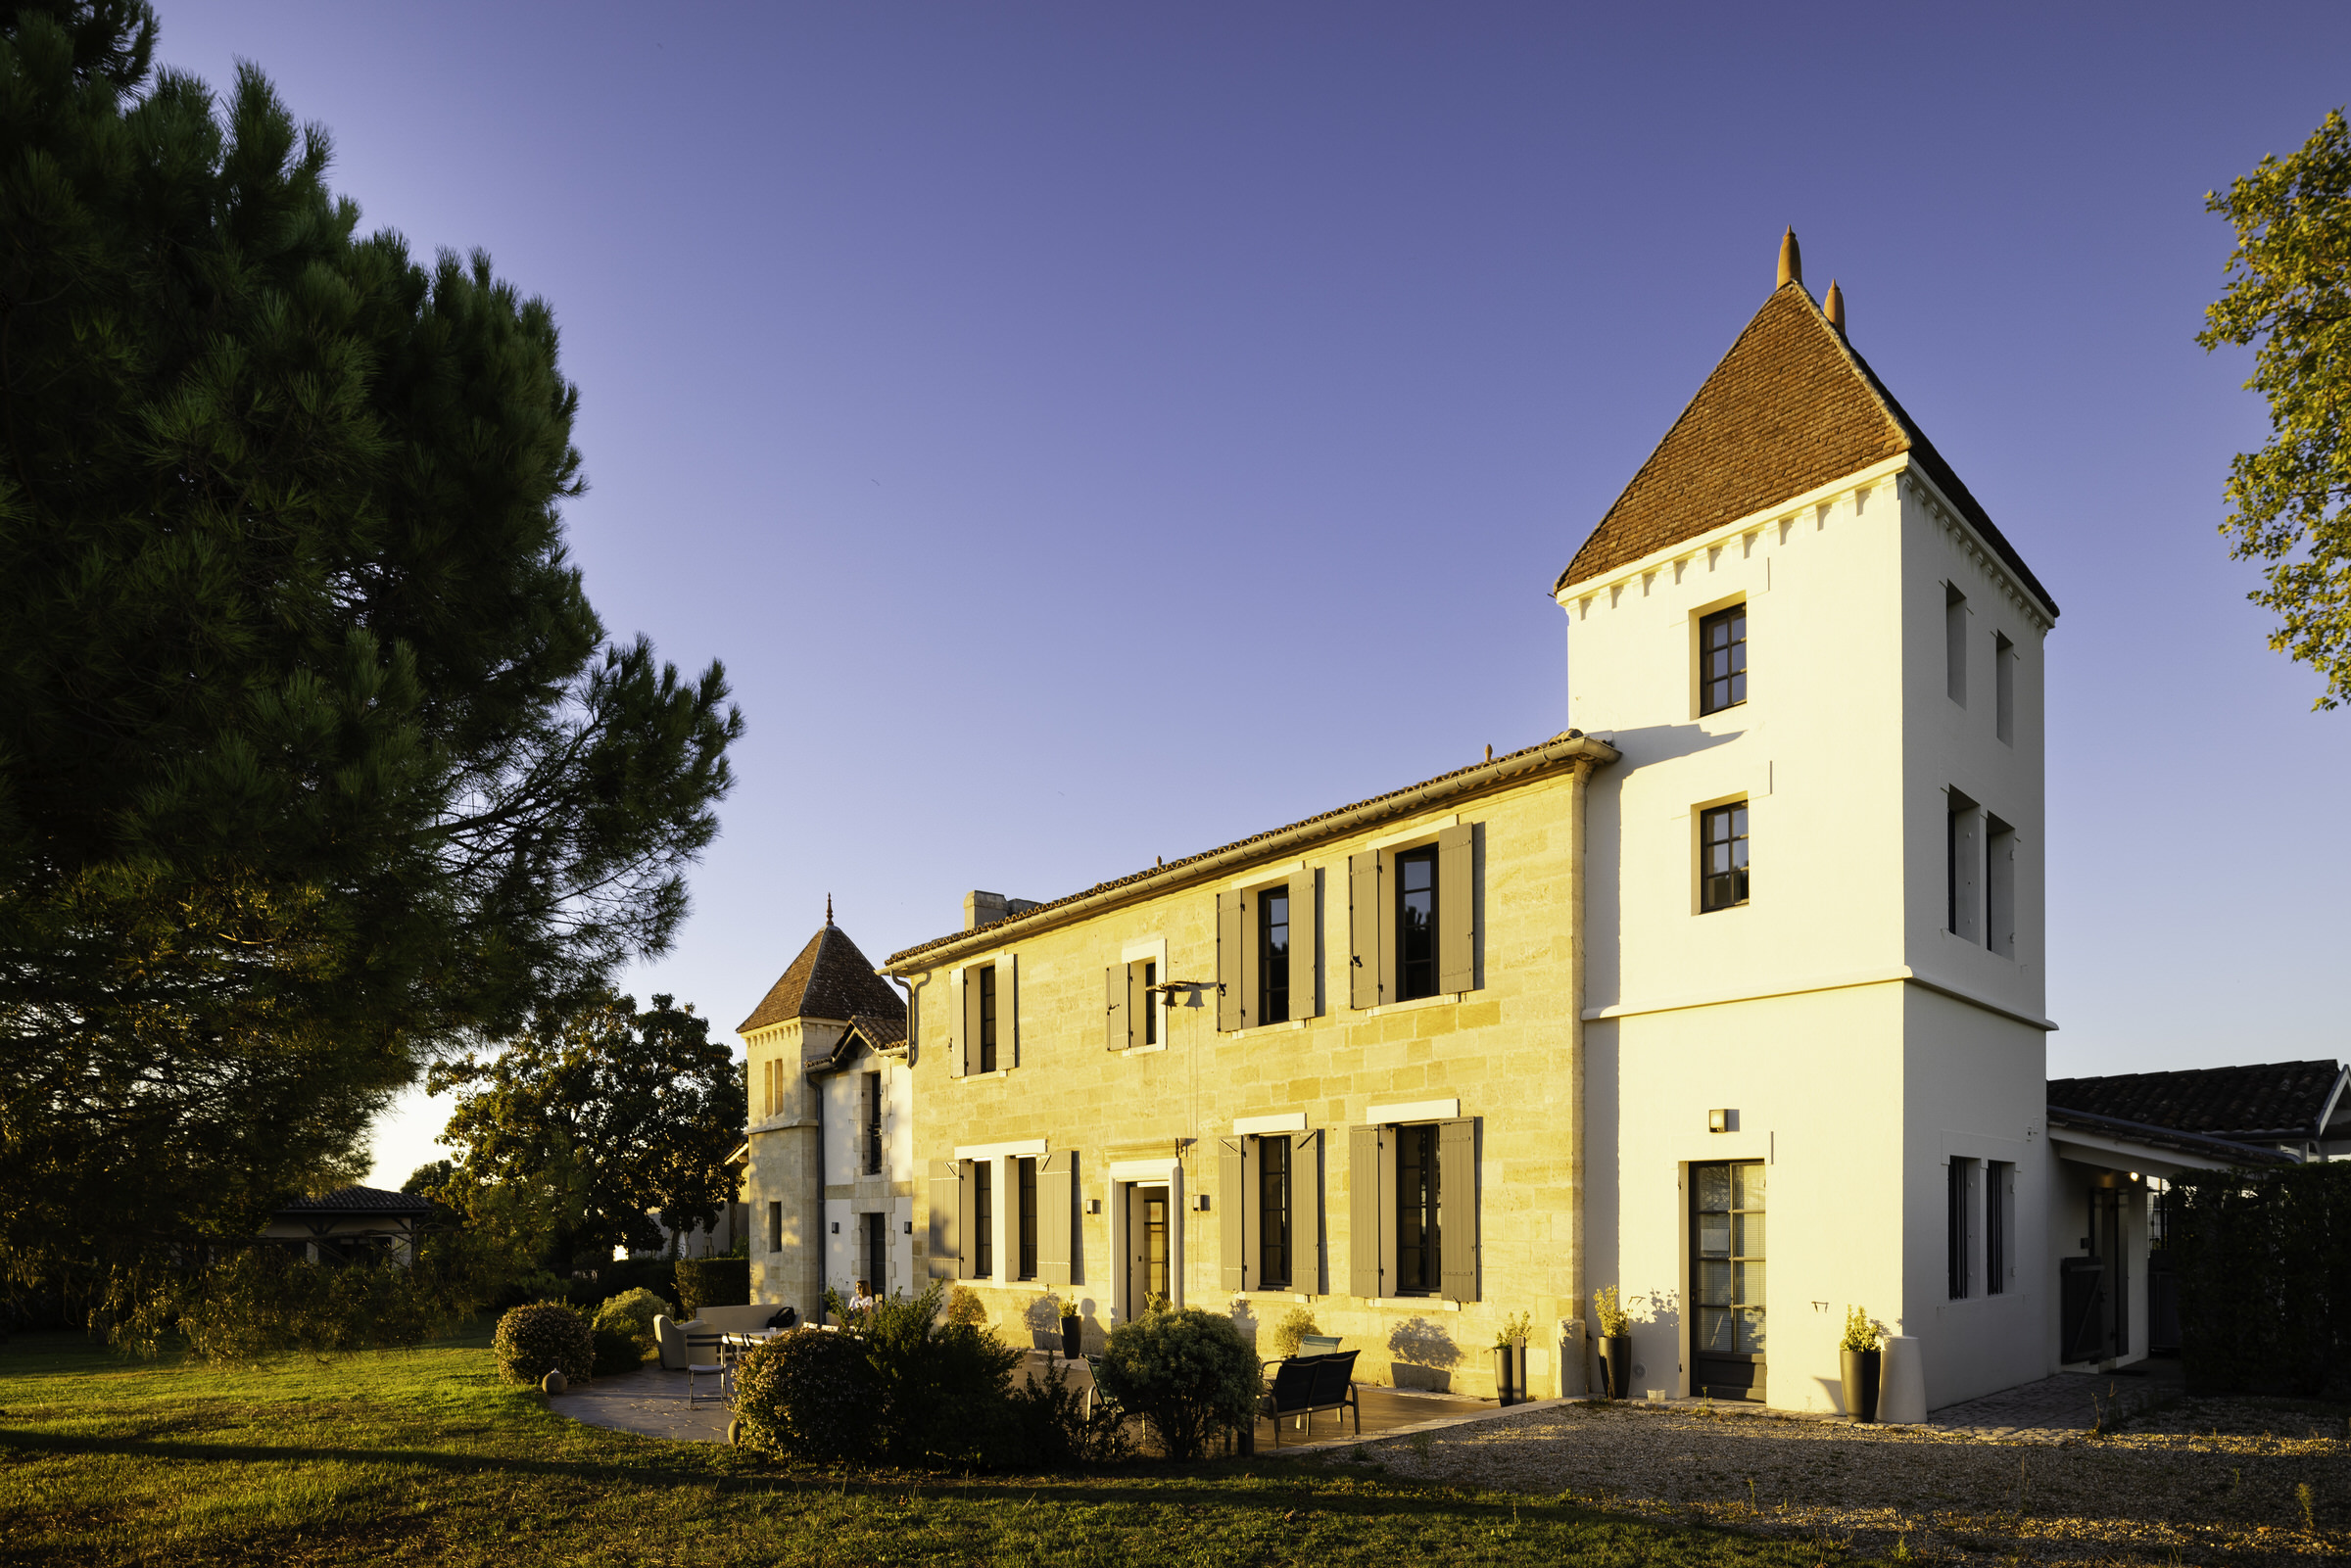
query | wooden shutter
[1457, 1207]
[1306, 930]
[1305, 1212]
[966, 1217]
[1008, 1011]
[1233, 1231]
[967, 1021]
[1232, 930]
[1363, 1212]
[1056, 1200]
[1456, 910]
[947, 1202]
[1120, 1017]
[1363, 931]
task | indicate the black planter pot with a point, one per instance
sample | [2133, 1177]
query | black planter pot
[1616, 1361]
[1859, 1369]
[1073, 1337]
[1510, 1373]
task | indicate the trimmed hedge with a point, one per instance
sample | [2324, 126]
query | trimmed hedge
[1189, 1372]
[712, 1282]
[616, 1352]
[810, 1395]
[2264, 1264]
[545, 1336]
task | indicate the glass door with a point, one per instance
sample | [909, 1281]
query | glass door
[1154, 1246]
[1726, 1277]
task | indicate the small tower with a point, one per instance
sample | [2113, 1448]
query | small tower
[828, 1016]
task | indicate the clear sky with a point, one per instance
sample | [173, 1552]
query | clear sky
[1031, 404]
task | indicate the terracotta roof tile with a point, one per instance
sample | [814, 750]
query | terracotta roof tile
[1791, 408]
[830, 979]
[2270, 1100]
[358, 1201]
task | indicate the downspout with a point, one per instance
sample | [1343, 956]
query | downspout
[918, 1269]
[1578, 783]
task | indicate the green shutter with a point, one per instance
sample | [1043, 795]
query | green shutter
[1232, 1166]
[1305, 946]
[1363, 1212]
[1305, 1212]
[1119, 1033]
[1231, 932]
[1056, 1200]
[1362, 930]
[1456, 910]
[946, 1219]
[1457, 1207]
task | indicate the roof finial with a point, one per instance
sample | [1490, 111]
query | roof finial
[828, 909]
[1833, 307]
[1792, 260]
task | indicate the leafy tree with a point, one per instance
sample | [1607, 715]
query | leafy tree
[643, 1109]
[314, 759]
[2290, 289]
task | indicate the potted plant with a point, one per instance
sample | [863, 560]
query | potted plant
[1509, 1358]
[1859, 1363]
[1616, 1342]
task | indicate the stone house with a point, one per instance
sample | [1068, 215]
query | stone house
[1729, 996]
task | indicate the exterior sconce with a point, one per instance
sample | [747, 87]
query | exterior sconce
[1093, 1206]
[1200, 1202]
[837, 1227]
[1723, 1122]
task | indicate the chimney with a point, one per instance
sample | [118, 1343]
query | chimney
[985, 909]
[1833, 307]
[1792, 260]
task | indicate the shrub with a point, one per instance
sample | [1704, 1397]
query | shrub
[1056, 1431]
[616, 1351]
[1186, 1372]
[632, 1313]
[656, 1274]
[2263, 1259]
[532, 1339]
[945, 1385]
[712, 1282]
[810, 1395]
[1295, 1325]
[963, 1305]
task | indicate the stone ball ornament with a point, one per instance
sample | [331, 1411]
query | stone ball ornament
[555, 1382]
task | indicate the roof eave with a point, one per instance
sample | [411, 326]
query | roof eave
[1572, 750]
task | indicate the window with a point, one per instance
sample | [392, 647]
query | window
[984, 1218]
[1722, 857]
[873, 1124]
[1963, 866]
[2003, 687]
[876, 1252]
[775, 1228]
[1722, 659]
[2000, 887]
[1420, 1236]
[1416, 923]
[1274, 956]
[1150, 1002]
[1954, 642]
[1025, 1247]
[1960, 1196]
[988, 1019]
[1130, 1007]
[2000, 1211]
[1274, 1214]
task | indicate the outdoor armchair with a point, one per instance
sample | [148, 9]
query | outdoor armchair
[1305, 1384]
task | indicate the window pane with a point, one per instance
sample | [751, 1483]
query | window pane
[1714, 1284]
[1714, 1236]
[1748, 1185]
[1747, 1283]
[1713, 1329]
[1747, 1236]
[1713, 1187]
[1748, 1335]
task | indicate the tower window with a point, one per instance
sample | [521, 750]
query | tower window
[1954, 642]
[1416, 923]
[984, 1218]
[1722, 660]
[1722, 857]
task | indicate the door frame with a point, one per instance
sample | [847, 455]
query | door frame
[1125, 1176]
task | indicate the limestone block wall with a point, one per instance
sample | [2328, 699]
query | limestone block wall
[1502, 1050]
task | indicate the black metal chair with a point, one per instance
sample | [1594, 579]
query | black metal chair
[706, 1356]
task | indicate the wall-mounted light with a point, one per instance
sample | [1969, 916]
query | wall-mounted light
[1200, 1202]
[1093, 1206]
[1723, 1122]
[910, 1227]
[837, 1227]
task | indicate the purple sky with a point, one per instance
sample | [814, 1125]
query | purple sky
[1031, 404]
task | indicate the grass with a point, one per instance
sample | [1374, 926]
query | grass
[423, 1456]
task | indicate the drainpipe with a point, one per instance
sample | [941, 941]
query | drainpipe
[916, 1170]
[1578, 784]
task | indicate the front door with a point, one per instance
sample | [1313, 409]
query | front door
[1726, 1276]
[2095, 1305]
[1146, 1248]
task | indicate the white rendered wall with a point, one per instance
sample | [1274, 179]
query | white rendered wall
[849, 1192]
[1798, 1013]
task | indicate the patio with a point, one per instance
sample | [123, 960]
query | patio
[653, 1401]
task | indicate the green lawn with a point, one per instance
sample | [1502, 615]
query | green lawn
[424, 1455]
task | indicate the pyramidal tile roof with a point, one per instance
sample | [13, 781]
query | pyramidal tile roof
[830, 979]
[1791, 408]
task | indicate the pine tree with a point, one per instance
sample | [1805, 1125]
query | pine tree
[314, 760]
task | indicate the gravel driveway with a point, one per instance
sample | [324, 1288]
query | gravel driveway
[2194, 1481]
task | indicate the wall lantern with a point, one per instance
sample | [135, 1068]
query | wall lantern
[837, 1227]
[1200, 1202]
[1093, 1206]
[1723, 1122]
